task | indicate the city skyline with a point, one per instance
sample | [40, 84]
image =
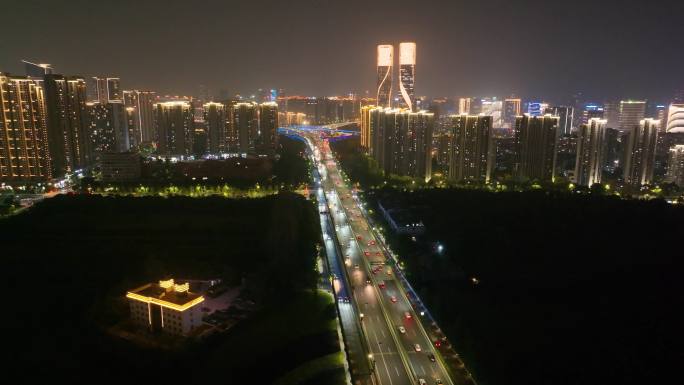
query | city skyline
[338, 63]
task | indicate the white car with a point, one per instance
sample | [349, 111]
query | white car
[402, 330]
[422, 382]
[417, 347]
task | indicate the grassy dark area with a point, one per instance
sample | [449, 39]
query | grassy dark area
[572, 289]
[68, 259]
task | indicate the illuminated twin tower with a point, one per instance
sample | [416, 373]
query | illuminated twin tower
[407, 75]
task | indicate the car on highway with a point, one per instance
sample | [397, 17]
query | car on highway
[402, 330]
[417, 347]
[356, 266]
[439, 382]
[432, 357]
[381, 284]
[359, 237]
[379, 254]
[368, 281]
[366, 253]
[438, 343]
[393, 299]
[371, 243]
[422, 382]
[407, 315]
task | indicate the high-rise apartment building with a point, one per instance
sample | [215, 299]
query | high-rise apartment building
[143, 103]
[268, 128]
[407, 75]
[591, 152]
[675, 118]
[67, 123]
[365, 128]
[631, 113]
[640, 153]
[216, 121]
[105, 90]
[565, 115]
[246, 126]
[385, 75]
[24, 154]
[108, 129]
[675, 165]
[536, 138]
[512, 108]
[174, 128]
[401, 141]
[494, 108]
[471, 157]
[592, 111]
[464, 105]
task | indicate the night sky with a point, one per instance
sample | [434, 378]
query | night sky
[549, 49]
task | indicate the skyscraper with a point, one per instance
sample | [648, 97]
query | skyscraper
[512, 108]
[24, 152]
[385, 75]
[216, 120]
[641, 151]
[630, 114]
[564, 115]
[401, 141]
[536, 138]
[471, 148]
[107, 127]
[675, 166]
[591, 152]
[464, 105]
[365, 128]
[268, 128]
[143, 103]
[407, 74]
[494, 108]
[591, 111]
[174, 121]
[246, 126]
[67, 123]
[675, 118]
[105, 90]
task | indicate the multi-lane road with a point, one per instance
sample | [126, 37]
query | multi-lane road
[398, 349]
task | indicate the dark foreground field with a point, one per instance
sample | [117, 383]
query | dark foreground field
[572, 289]
[68, 262]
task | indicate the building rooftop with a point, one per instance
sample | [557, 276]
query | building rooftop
[166, 294]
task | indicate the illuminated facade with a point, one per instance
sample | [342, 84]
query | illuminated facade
[385, 74]
[108, 127]
[536, 139]
[464, 105]
[407, 75]
[246, 126]
[143, 130]
[67, 123]
[471, 157]
[512, 108]
[166, 306]
[675, 166]
[175, 128]
[365, 128]
[641, 152]
[105, 90]
[24, 153]
[630, 114]
[401, 141]
[591, 152]
[564, 115]
[675, 118]
[268, 128]
[494, 108]
[216, 121]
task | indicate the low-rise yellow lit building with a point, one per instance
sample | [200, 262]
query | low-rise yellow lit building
[166, 306]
